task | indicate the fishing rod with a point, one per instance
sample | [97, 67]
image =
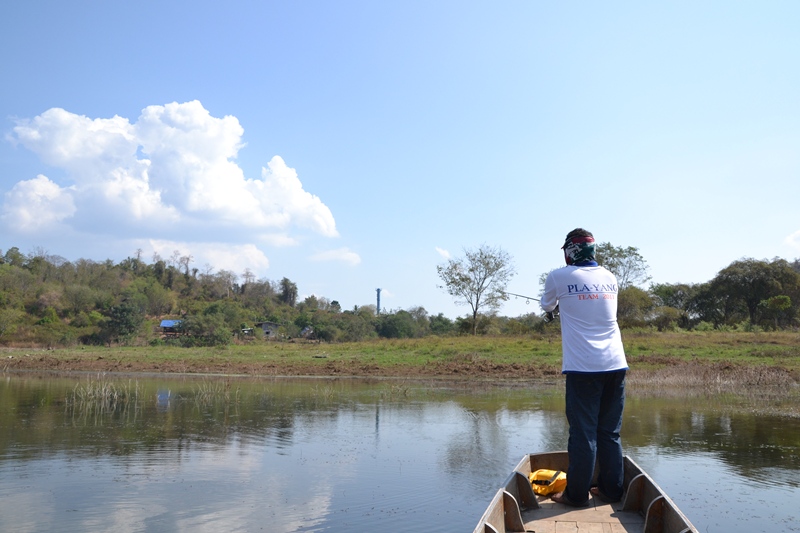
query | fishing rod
[527, 298]
[549, 316]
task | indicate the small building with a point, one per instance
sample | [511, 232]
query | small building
[170, 327]
[270, 329]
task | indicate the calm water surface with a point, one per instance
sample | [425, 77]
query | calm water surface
[289, 455]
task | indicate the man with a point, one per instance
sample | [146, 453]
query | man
[595, 366]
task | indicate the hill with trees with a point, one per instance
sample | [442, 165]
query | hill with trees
[48, 301]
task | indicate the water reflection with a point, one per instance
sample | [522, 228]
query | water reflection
[317, 455]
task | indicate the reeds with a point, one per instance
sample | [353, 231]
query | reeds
[715, 378]
[325, 391]
[395, 391]
[211, 391]
[101, 396]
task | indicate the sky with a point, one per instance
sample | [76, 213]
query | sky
[357, 145]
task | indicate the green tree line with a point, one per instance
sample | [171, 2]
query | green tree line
[46, 300]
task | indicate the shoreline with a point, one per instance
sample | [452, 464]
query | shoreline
[721, 360]
[750, 386]
[117, 361]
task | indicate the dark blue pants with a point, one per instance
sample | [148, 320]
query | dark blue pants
[595, 403]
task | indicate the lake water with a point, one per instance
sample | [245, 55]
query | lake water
[313, 455]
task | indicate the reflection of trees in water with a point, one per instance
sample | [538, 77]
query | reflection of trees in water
[481, 446]
[36, 416]
[488, 446]
[120, 418]
[751, 443]
[555, 434]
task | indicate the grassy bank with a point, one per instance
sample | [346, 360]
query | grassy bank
[474, 357]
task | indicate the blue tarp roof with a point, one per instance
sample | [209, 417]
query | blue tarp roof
[170, 323]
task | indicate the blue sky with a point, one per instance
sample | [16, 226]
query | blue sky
[353, 145]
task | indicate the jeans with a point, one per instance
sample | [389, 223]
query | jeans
[595, 402]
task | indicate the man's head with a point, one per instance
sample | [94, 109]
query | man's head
[578, 246]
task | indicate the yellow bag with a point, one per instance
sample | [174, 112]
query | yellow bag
[546, 482]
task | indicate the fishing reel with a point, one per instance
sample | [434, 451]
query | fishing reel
[549, 316]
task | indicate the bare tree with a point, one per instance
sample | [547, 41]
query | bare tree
[227, 280]
[248, 276]
[175, 258]
[185, 261]
[478, 279]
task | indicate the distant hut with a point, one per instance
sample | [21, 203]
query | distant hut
[170, 328]
[270, 329]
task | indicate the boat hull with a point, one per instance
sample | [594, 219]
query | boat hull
[644, 506]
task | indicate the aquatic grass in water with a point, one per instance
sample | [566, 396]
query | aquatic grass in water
[396, 390]
[101, 396]
[763, 385]
[323, 391]
[717, 377]
[210, 391]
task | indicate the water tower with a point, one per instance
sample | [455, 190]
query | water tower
[379, 300]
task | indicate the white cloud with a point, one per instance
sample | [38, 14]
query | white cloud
[344, 255]
[283, 200]
[76, 143]
[36, 204]
[232, 257]
[444, 253]
[386, 293]
[170, 174]
[793, 240]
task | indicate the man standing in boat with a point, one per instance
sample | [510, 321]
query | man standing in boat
[595, 366]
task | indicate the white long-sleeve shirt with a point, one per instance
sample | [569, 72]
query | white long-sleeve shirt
[587, 300]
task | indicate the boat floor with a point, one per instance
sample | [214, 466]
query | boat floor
[598, 517]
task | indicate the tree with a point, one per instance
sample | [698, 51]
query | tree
[478, 279]
[399, 325]
[665, 318]
[288, 292]
[355, 326]
[420, 316]
[79, 298]
[626, 264]
[708, 305]
[634, 306]
[677, 295]
[739, 292]
[14, 257]
[441, 325]
[9, 318]
[674, 304]
[748, 282]
[207, 329]
[159, 299]
[124, 322]
[777, 307]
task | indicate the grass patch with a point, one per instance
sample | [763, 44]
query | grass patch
[467, 357]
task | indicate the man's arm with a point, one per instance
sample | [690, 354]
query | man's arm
[549, 297]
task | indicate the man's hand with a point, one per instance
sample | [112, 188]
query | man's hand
[549, 316]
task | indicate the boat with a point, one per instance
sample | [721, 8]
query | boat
[644, 506]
